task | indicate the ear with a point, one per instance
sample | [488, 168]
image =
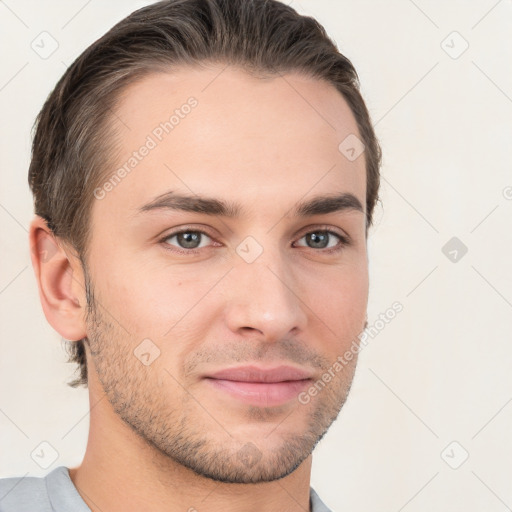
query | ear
[60, 281]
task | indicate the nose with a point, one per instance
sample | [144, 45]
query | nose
[264, 301]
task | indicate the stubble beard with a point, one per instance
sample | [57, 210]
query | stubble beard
[189, 434]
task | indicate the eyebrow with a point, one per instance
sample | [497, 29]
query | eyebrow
[319, 205]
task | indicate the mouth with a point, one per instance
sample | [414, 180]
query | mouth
[263, 387]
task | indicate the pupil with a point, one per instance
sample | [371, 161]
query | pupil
[321, 240]
[189, 240]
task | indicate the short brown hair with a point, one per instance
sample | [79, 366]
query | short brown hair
[74, 139]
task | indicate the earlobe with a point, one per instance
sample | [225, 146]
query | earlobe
[60, 281]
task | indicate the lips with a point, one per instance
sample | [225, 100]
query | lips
[261, 375]
[264, 387]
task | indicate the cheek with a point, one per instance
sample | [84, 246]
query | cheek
[342, 306]
[150, 302]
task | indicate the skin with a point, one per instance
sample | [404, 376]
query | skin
[161, 436]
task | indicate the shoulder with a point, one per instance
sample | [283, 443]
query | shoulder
[316, 504]
[24, 494]
[54, 492]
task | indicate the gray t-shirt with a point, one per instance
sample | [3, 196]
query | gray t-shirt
[56, 492]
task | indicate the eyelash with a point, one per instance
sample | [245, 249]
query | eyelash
[344, 241]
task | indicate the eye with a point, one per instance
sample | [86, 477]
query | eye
[325, 240]
[188, 240]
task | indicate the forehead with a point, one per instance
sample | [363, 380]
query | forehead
[223, 132]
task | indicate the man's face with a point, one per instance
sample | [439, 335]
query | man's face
[204, 340]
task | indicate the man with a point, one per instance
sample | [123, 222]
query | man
[204, 179]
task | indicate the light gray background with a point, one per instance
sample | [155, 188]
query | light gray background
[440, 371]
